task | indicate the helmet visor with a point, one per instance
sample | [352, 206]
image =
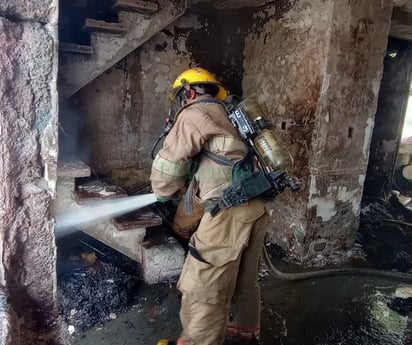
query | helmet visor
[221, 95]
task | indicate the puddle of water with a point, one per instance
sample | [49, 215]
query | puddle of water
[341, 310]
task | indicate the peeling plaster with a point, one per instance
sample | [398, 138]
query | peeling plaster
[376, 86]
[325, 84]
[368, 136]
[189, 22]
[2, 270]
[162, 83]
[181, 43]
[312, 188]
[298, 230]
[389, 145]
[362, 179]
[327, 117]
[325, 207]
[354, 196]
[146, 66]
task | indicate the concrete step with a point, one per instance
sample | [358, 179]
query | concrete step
[102, 26]
[72, 167]
[76, 71]
[147, 7]
[142, 218]
[162, 257]
[68, 169]
[128, 242]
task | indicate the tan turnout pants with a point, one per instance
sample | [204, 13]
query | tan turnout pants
[220, 273]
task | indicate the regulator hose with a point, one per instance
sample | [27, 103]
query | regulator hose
[405, 277]
[152, 154]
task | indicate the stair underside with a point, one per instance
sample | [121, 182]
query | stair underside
[76, 71]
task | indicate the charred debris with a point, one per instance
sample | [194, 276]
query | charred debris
[97, 283]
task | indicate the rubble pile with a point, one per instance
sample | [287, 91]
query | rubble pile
[95, 283]
[385, 235]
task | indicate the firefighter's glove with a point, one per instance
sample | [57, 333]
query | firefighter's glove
[161, 200]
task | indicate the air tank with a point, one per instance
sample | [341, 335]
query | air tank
[267, 140]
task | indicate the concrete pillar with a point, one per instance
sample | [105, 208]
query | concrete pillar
[316, 69]
[28, 155]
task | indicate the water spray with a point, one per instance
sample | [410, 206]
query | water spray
[103, 209]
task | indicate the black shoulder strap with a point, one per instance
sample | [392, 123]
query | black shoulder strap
[221, 160]
[240, 168]
[218, 158]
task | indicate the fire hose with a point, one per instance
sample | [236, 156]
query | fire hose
[371, 272]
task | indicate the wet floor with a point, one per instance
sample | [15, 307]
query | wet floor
[342, 310]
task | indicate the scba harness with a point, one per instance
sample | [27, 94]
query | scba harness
[250, 183]
[252, 177]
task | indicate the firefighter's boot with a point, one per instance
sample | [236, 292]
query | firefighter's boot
[170, 342]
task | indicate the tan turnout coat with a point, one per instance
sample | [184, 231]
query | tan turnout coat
[199, 126]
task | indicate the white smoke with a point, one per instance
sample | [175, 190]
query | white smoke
[99, 210]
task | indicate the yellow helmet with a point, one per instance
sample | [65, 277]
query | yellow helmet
[197, 76]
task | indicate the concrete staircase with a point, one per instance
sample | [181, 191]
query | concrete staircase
[137, 21]
[137, 235]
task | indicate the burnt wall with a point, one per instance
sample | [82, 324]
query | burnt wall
[389, 119]
[284, 72]
[317, 71]
[28, 151]
[119, 115]
[346, 114]
[314, 66]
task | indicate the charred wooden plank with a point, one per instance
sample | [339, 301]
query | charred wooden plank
[143, 218]
[98, 190]
[102, 26]
[76, 48]
[137, 6]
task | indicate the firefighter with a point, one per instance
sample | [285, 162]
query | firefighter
[220, 292]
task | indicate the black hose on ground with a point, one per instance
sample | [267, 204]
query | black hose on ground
[405, 277]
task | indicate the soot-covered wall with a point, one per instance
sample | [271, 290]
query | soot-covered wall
[120, 114]
[284, 68]
[317, 72]
[314, 66]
